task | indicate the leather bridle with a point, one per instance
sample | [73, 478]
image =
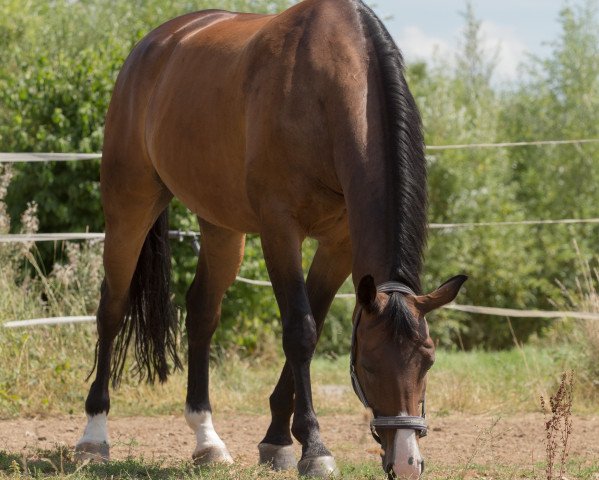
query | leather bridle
[382, 422]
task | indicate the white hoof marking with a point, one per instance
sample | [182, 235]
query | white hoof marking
[206, 436]
[96, 430]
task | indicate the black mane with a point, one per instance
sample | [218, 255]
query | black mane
[399, 319]
[404, 156]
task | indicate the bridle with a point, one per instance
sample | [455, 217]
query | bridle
[397, 422]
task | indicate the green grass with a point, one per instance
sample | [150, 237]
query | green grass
[53, 362]
[506, 381]
[42, 372]
[59, 464]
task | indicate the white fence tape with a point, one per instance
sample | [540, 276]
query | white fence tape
[249, 281]
[49, 237]
[56, 237]
[46, 157]
[537, 143]
[513, 313]
[68, 157]
[49, 321]
[492, 311]
[565, 221]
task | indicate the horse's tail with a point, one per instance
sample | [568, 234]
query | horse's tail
[151, 318]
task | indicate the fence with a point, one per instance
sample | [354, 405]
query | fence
[194, 236]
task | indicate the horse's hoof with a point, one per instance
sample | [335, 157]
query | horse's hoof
[92, 452]
[319, 467]
[211, 455]
[279, 457]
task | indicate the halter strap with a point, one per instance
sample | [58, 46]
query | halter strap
[394, 422]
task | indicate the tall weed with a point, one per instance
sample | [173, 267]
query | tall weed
[584, 334]
[40, 367]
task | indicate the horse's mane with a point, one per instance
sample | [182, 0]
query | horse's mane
[399, 319]
[405, 157]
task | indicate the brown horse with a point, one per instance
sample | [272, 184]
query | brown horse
[291, 125]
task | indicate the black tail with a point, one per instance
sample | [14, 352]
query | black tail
[150, 318]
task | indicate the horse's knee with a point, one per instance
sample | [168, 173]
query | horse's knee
[299, 338]
[281, 399]
[200, 330]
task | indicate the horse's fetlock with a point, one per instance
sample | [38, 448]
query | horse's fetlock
[304, 427]
[98, 400]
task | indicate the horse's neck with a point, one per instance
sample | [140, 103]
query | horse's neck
[373, 227]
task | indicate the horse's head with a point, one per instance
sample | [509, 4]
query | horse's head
[392, 352]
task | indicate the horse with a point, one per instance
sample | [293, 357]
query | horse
[293, 125]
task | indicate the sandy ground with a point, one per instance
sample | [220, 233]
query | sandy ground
[452, 440]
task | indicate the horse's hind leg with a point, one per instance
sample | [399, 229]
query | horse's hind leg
[220, 257]
[330, 267]
[130, 214]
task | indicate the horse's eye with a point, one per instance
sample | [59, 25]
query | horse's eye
[368, 369]
[428, 356]
[429, 360]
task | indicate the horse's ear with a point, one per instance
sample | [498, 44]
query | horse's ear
[445, 294]
[367, 292]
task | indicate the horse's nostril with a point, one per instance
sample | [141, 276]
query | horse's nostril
[411, 461]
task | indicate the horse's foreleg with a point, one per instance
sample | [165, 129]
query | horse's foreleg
[282, 252]
[330, 267]
[220, 258]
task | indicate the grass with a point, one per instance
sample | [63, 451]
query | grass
[53, 362]
[58, 463]
[506, 381]
[42, 372]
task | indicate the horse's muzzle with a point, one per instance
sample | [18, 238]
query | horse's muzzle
[401, 458]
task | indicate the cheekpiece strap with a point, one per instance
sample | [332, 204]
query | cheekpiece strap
[357, 387]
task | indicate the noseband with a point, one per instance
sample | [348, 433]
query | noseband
[397, 422]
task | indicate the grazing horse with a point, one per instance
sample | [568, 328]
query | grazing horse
[290, 126]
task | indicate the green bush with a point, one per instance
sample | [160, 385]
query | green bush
[511, 266]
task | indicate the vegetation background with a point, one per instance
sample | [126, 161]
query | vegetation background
[58, 63]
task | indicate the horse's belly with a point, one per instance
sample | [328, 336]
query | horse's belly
[215, 191]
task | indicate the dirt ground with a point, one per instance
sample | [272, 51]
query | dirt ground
[452, 440]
